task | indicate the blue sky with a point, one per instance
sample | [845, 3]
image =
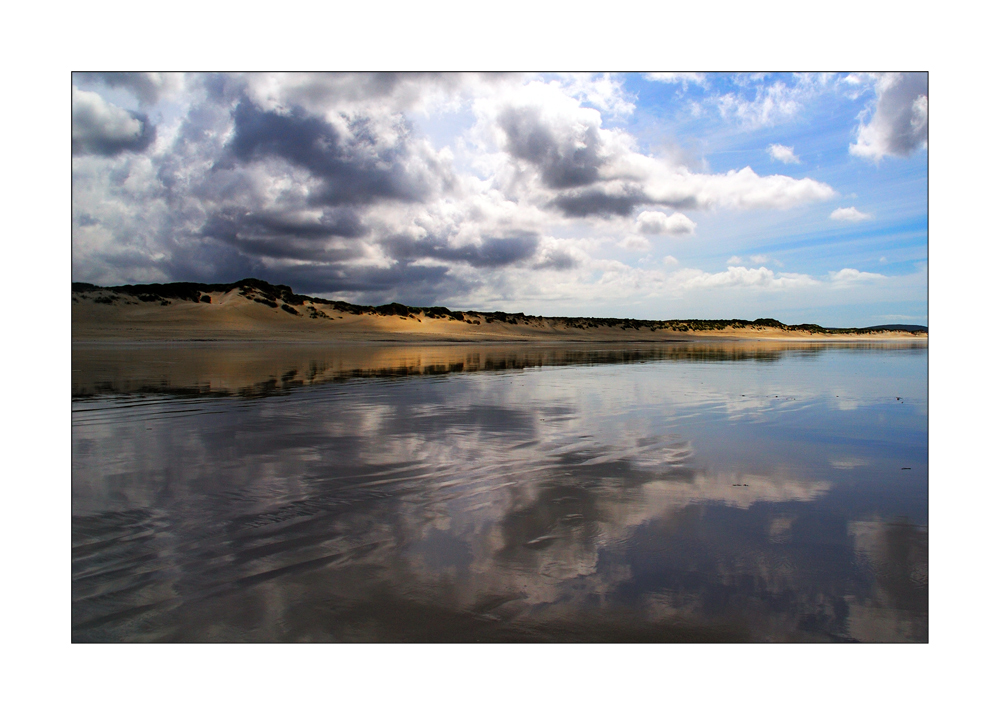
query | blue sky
[801, 197]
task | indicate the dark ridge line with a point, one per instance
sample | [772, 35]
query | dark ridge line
[269, 294]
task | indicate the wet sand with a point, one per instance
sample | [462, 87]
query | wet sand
[697, 491]
[260, 368]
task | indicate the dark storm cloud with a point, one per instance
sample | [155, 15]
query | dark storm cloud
[564, 162]
[279, 236]
[491, 253]
[557, 260]
[106, 130]
[338, 222]
[353, 167]
[599, 201]
[372, 285]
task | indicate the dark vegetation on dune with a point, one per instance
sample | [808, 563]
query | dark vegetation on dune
[900, 326]
[268, 294]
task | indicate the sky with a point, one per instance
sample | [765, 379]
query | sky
[801, 197]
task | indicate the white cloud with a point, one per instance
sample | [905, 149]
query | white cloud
[757, 103]
[658, 223]
[604, 91]
[677, 77]
[670, 261]
[771, 104]
[740, 277]
[898, 126]
[852, 275]
[555, 152]
[758, 259]
[784, 154]
[636, 243]
[763, 279]
[742, 189]
[849, 214]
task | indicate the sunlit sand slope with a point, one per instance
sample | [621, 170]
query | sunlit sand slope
[254, 310]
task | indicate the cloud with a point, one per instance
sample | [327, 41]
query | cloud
[550, 136]
[561, 156]
[556, 258]
[490, 253]
[566, 155]
[758, 101]
[658, 223]
[357, 162]
[742, 189]
[147, 87]
[411, 284]
[739, 277]
[371, 93]
[849, 214]
[676, 77]
[757, 259]
[770, 104]
[304, 235]
[100, 127]
[670, 261]
[898, 126]
[784, 154]
[603, 91]
[328, 183]
[852, 275]
[636, 243]
[604, 201]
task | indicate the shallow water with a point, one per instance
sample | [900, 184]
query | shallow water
[692, 492]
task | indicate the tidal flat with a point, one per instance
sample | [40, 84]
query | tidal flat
[697, 492]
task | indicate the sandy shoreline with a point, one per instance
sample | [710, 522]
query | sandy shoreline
[103, 316]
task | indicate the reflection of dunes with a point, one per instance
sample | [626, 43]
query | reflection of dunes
[260, 369]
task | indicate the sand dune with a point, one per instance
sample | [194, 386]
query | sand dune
[245, 314]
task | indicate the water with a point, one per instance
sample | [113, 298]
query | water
[686, 492]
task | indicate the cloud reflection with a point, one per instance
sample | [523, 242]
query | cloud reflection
[594, 503]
